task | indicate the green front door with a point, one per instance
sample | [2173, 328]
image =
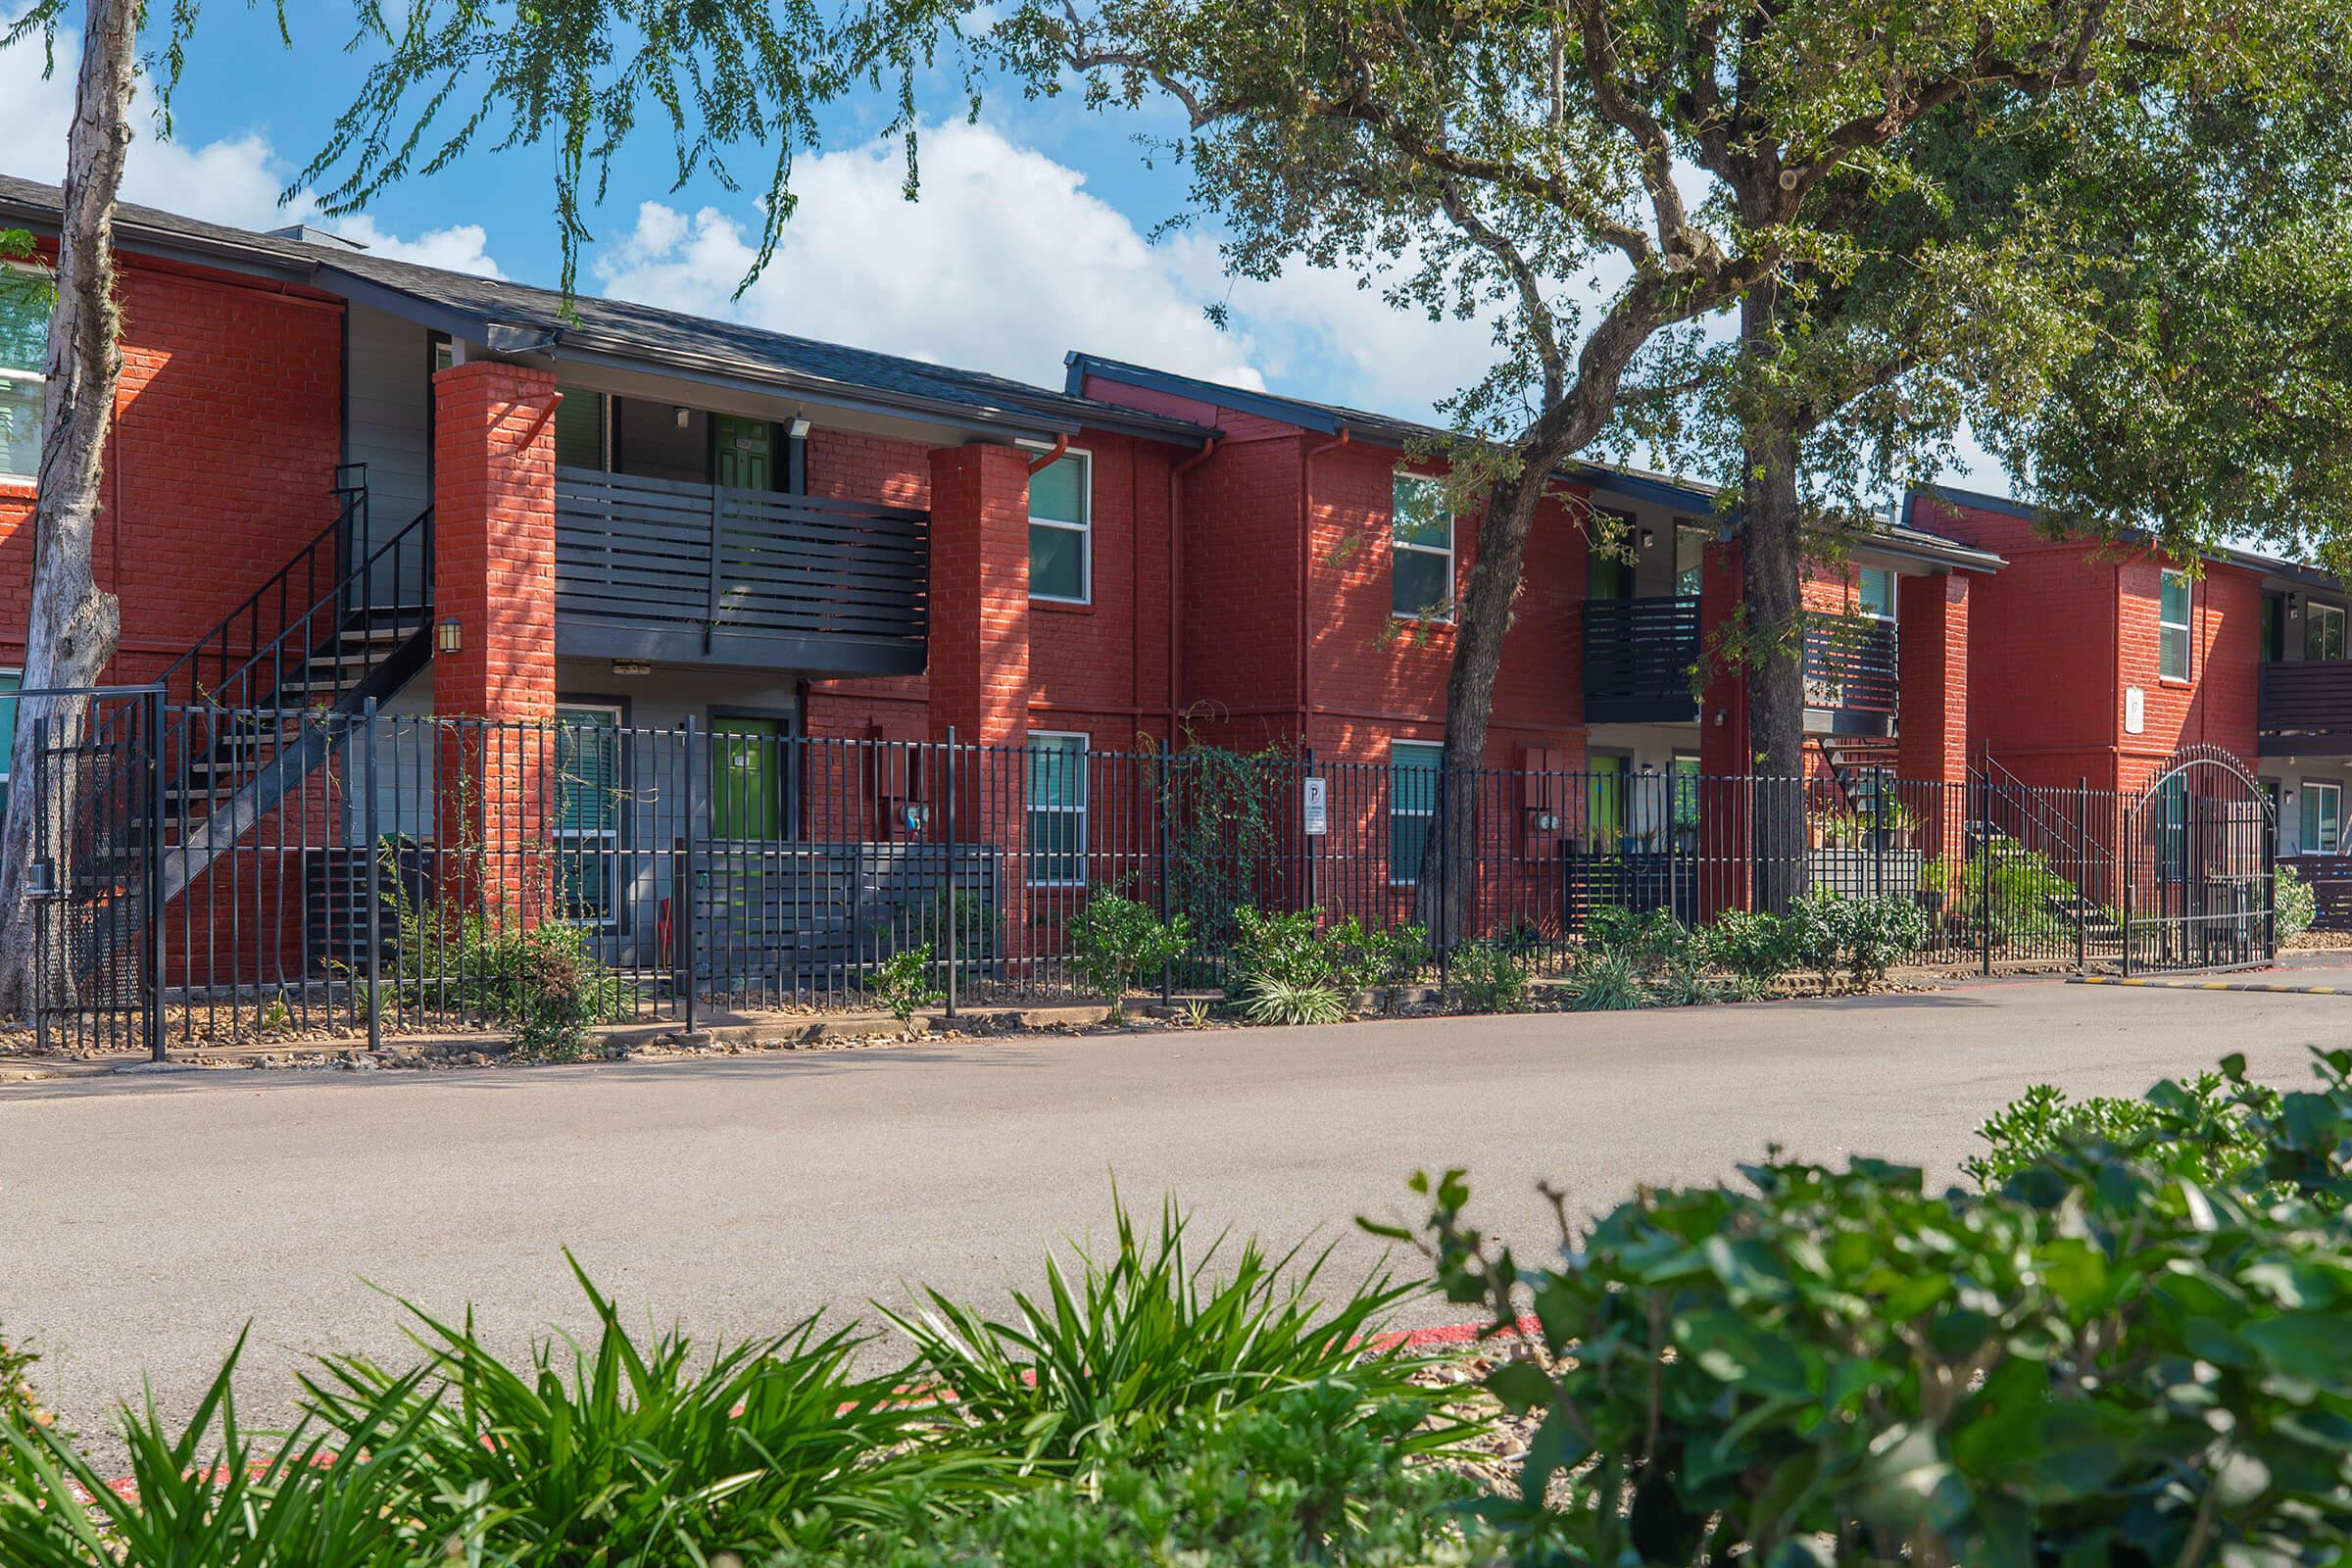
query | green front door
[1604, 803]
[744, 452]
[747, 782]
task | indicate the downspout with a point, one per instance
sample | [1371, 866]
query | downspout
[1049, 457]
[1307, 530]
[1176, 581]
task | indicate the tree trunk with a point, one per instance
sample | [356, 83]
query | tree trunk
[74, 625]
[1772, 591]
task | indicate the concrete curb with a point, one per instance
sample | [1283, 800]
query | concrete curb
[2285, 988]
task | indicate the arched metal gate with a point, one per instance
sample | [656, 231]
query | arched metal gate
[2197, 852]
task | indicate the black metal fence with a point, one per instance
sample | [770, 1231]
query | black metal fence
[385, 874]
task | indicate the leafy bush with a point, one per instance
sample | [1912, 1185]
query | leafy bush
[1273, 999]
[2206, 1118]
[904, 982]
[1817, 926]
[1488, 977]
[2293, 903]
[1755, 944]
[2016, 889]
[19, 1403]
[1605, 982]
[2105, 1360]
[1297, 950]
[548, 986]
[1315, 1476]
[1830, 932]
[1113, 940]
[1105, 1366]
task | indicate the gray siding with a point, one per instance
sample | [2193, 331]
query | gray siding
[388, 390]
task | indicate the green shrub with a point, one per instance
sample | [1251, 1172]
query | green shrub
[2294, 906]
[1488, 977]
[904, 982]
[2104, 1361]
[1297, 948]
[1114, 941]
[2016, 889]
[1315, 1476]
[1605, 982]
[1818, 926]
[1271, 1000]
[1106, 1364]
[21, 1403]
[1755, 944]
[549, 987]
[2206, 1118]
[1880, 932]
[614, 1450]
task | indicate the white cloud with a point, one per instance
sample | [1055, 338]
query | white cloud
[235, 179]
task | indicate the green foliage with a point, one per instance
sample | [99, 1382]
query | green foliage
[1114, 940]
[1108, 1364]
[2110, 1357]
[622, 1449]
[1605, 982]
[1830, 932]
[1274, 1000]
[1225, 813]
[1316, 1475]
[21, 1403]
[1299, 951]
[548, 986]
[2016, 889]
[1488, 977]
[2207, 1119]
[904, 982]
[1755, 945]
[2294, 906]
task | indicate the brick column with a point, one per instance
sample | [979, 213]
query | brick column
[1725, 759]
[1932, 756]
[494, 573]
[979, 660]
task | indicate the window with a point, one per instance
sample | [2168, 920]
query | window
[1421, 556]
[1686, 802]
[23, 349]
[2323, 631]
[2323, 819]
[1061, 530]
[10, 681]
[582, 433]
[2172, 626]
[1689, 559]
[1413, 805]
[1875, 592]
[587, 826]
[1057, 816]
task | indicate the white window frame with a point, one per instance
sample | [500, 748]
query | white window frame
[1030, 809]
[1893, 590]
[34, 377]
[2313, 612]
[1085, 530]
[2307, 791]
[607, 839]
[1412, 878]
[1395, 544]
[2187, 627]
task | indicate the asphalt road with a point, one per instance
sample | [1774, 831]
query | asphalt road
[142, 1222]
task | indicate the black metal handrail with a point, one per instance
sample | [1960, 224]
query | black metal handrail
[1638, 658]
[1850, 664]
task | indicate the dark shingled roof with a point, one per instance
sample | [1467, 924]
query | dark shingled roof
[521, 317]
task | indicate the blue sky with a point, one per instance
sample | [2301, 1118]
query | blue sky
[1031, 238]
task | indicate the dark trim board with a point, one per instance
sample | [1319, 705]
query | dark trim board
[819, 656]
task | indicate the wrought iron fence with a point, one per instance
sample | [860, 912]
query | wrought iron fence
[393, 873]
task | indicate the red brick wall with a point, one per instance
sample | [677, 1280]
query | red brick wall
[2214, 706]
[221, 463]
[1241, 560]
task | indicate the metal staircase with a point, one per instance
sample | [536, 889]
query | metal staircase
[2011, 808]
[265, 697]
[1856, 764]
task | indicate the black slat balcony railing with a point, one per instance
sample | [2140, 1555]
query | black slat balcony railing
[1638, 655]
[2304, 706]
[660, 568]
[1850, 665]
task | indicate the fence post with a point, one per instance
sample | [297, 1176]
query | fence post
[2081, 872]
[955, 921]
[1985, 864]
[155, 772]
[2269, 881]
[1445, 899]
[2127, 862]
[689, 894]
[1168, 967]
[1877, 835]
[371, 835]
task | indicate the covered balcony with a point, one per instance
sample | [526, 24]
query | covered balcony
[1637, 660]
[1852, 676]
[2304, 709]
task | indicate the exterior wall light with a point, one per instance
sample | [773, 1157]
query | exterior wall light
[449, 636]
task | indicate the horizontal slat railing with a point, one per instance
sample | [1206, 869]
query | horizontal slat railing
[1638, 655]
[644, 552]
[2307, 695]
[1850, 665]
